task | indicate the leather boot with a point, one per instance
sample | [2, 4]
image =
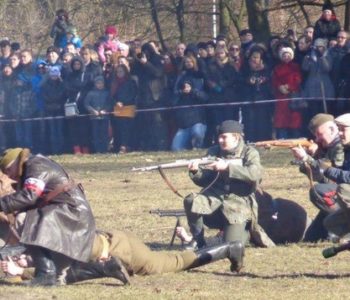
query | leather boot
[234, 251]
[92, 270]
[45, 269]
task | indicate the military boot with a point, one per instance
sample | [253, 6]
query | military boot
[45, 270]
[234, 251]
[92, 270]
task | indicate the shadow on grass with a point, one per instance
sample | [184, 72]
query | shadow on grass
[278, 276]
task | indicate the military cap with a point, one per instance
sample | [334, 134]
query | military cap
[9, 156]
[343, 120]
[230, 126]
[319, 120]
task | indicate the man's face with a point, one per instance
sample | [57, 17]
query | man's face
[86, 56]
[309, 31]
[12, 171]
[228, 141]
[26, 58]
[326, 133]
[70, 49]
[344, 134]
[52, 57]
[246, 38]
[180, 50]
[5, 51]
[341, 38]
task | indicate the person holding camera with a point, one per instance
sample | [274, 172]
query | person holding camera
[59, 28]
[318, 85]
[191, 122]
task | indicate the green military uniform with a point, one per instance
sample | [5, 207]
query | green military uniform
[322, 192]
[338, 222]
[227, 200]
[138, 258]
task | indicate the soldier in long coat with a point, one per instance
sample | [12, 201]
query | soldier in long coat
[59, 226]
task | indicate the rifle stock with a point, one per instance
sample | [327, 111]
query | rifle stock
[288, 143]
[183, 163]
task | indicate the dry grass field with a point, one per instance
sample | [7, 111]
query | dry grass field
[122, 199]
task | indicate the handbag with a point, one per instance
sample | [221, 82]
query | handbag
[71, 109]
[126, 111]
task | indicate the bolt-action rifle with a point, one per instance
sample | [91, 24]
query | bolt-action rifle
[180, 164]
[176, 164]
[170, 213]
[288, 143]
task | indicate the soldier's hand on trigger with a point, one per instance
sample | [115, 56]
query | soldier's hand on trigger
[194, 165]
[299, 153]
[220, 165]
[312, 148]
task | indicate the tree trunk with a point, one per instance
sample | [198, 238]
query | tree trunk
[180, 19]
[154, 14]
[347, 16]
[258, 19]
[224, 25]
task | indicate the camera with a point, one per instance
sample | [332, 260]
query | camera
[61, 18]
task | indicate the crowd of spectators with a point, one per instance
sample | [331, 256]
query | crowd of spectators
[106, 83]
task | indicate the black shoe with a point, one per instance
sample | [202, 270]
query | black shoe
[92, 270]
[45, 269]
[234, 251]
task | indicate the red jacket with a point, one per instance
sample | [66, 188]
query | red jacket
[286, 73]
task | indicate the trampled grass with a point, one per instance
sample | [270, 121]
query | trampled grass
[121, 199]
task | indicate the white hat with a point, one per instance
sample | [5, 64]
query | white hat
[343, 120]
[286, 50]
[320, 42]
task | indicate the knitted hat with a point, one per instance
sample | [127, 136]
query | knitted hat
[343, 120]
[319, 120]
[320, 42]
[286, 50]
[110, 29]
[201, 45]
[53, 49]
[9, 156]
[99, 78]
[244, 32]
[328, 6]
[230, 126]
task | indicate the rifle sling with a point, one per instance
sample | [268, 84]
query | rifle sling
[60, 188]
[170, 185]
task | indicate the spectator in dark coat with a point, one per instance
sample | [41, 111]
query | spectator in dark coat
[124, 104]
[76, 87]
[318, 84]
[149, 70]
[191, 122]
[327, 26]
[257, 118]
[53, 94]
[98, 105]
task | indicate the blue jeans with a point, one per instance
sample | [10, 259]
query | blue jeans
[56, 135]
[186, 138]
